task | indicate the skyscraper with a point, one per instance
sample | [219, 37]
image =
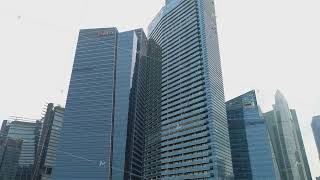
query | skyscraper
[287, 141]
[136, 99]
[29, 133]
[102, 134]
[10, 150]
[194, 128]
[302, 149]
[4, 128]
[251, 147]
[152, 153]
[47, 146]
[316, 131]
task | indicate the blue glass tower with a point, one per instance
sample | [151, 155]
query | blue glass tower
[88, 119]
[128, 138]
[4, 128]
[304, 166]
[152, 154]
[287, 141]
[10, 150]
[29, 133]
[316, 131]
[47, 146]
[194, 141]
[252, 155]
[102, 134]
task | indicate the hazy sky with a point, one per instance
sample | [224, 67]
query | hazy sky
[264, 44]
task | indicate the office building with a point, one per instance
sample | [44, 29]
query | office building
[47, 146]
[10, 150]
[316, 131]
[302, 149]
[287, 141]
[4, 128]
[194, 128]
[29, 133]
[251, 148]
[103, 127]
[130, 105]
[152, 154]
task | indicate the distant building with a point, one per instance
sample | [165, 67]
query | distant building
[251, 149]
[29, 133]
[318, 178]
[4, 128]
[316, 131]
[287, 141]
[10, 150]
[304, 159]
[47, 146]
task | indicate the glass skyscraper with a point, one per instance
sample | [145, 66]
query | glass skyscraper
[287, 141]
[152, 154]
[4, 128]
[194, 128]
[305, 167]
[10, 150]
[29, 133]
[316, 131]
[102, 134]
[252, 155]
[47, 146]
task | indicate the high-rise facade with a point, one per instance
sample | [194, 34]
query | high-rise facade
[10, 150]
[4, 128]
[251, 148]
[316, 131]
[304, 160]
[194, 128]
[129, 105]
[103, 127]
[47, 146]
[152, 153]
[287, 141]
[29, 133]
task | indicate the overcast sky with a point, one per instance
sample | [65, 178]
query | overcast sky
[264, 44]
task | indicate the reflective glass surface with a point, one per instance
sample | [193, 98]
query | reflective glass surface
[194, 128]
[103, 127]
[29, 133]
[286, 140]
[316, 131]
[85, 148]
[249, 138]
